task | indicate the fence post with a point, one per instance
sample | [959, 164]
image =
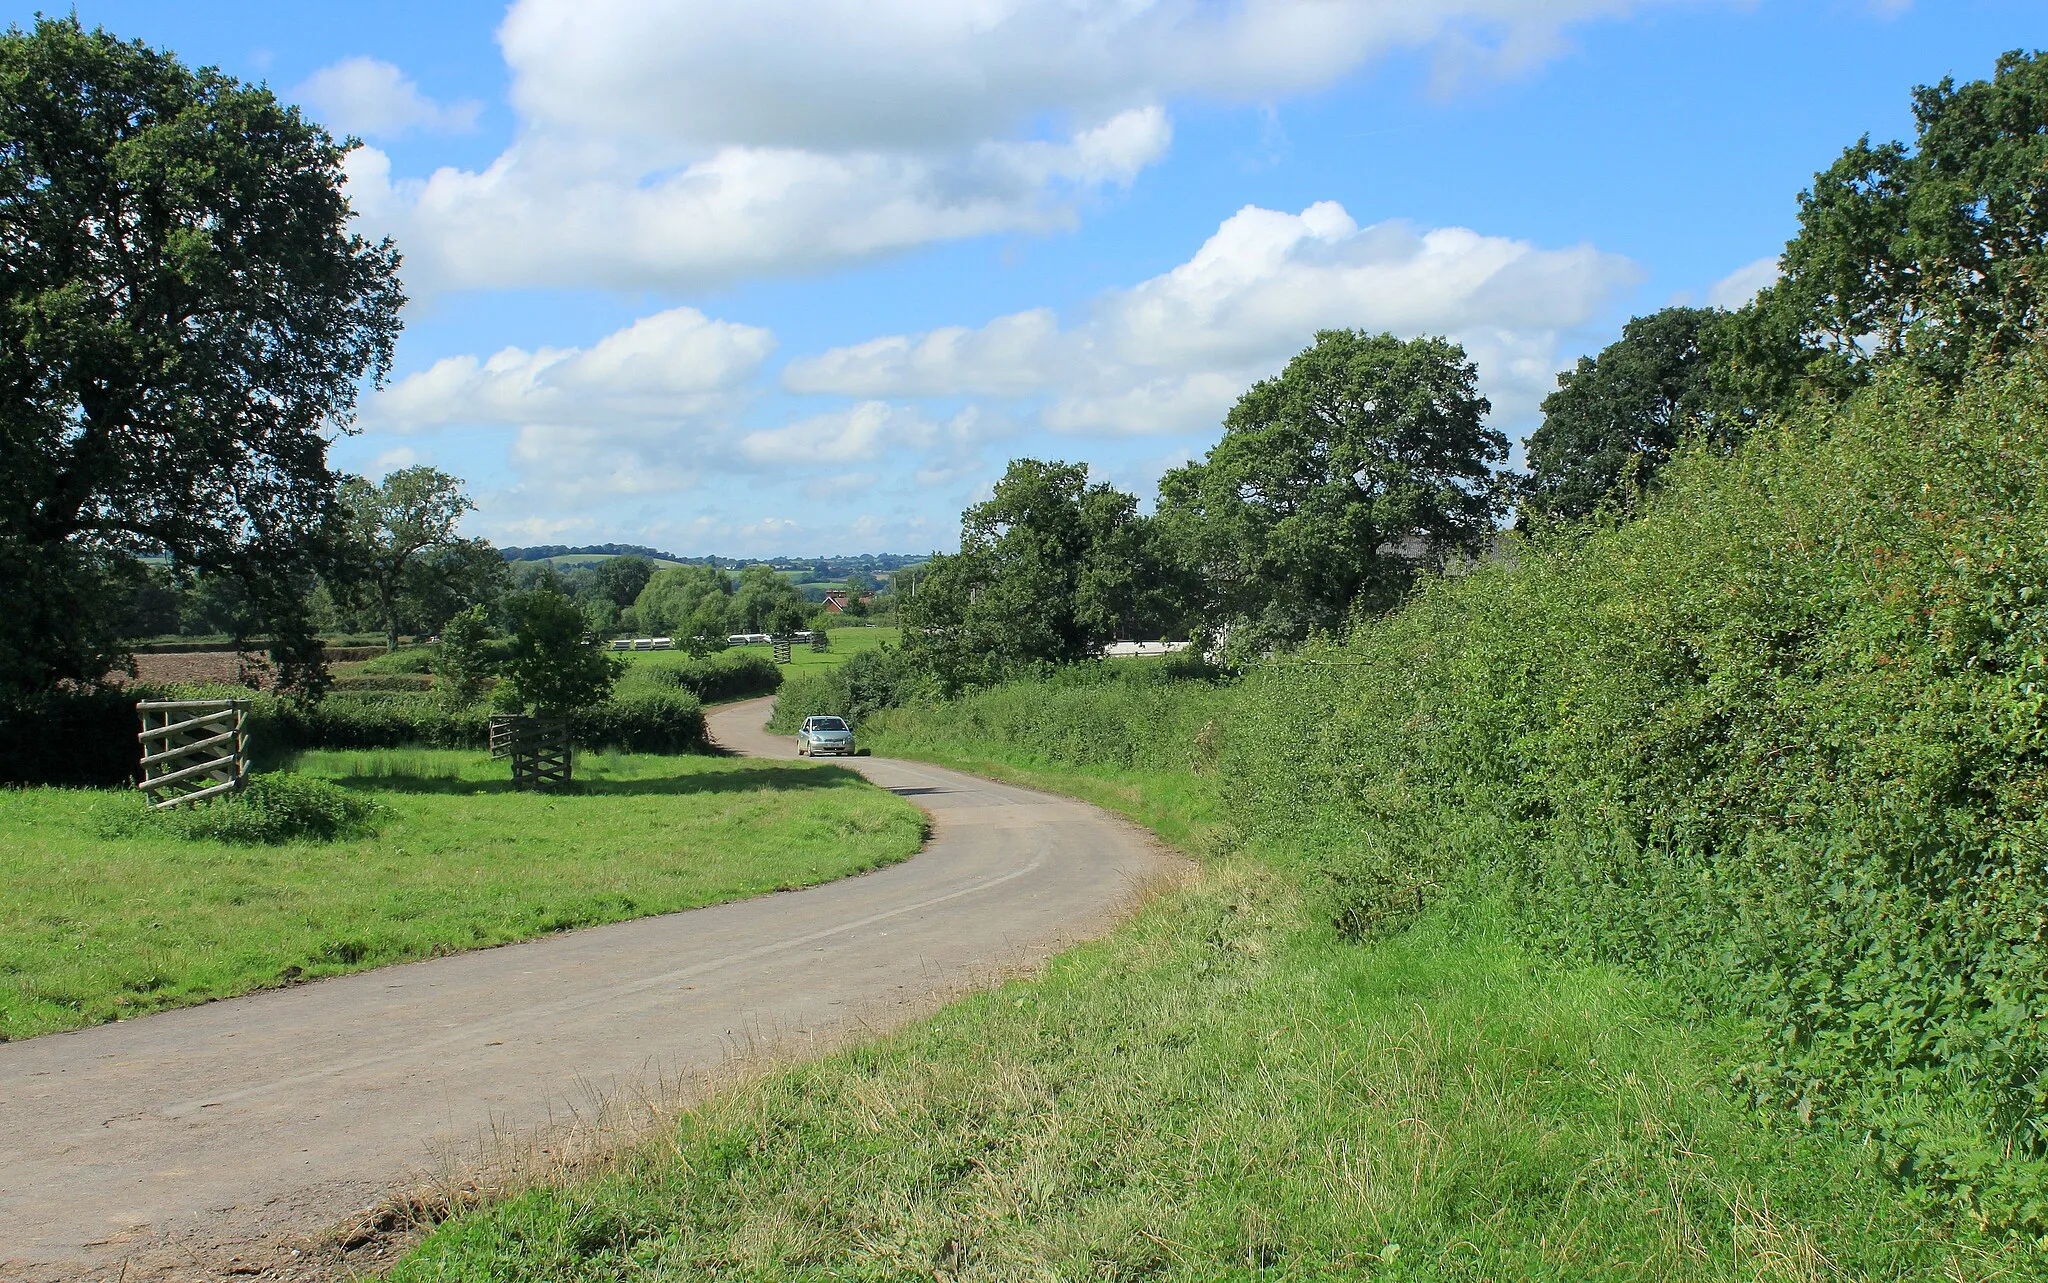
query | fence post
[192, 749]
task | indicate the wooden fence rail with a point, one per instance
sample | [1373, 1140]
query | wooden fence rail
[192, 749]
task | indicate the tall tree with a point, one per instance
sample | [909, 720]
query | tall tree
[1616, 418]
[766, 602]
[1365, 458]
[1046, 573]
[184, 315]
[621, 579]
[692, 603]
[1935, 253]
[389, 527]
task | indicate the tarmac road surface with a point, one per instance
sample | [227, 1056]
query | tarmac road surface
[227, 1140]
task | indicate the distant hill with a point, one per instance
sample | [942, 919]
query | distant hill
[542, 552]
[799, 569]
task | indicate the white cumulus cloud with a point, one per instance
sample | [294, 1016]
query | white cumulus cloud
[372, 98]
[685, 143]
[1172, 352]
[1740, 286]
[662, 367]
[851, 74]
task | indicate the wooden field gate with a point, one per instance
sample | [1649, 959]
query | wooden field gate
[539, 749]
[820, 639]
[781, 648]
[192, 749]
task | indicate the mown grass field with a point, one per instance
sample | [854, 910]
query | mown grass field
[95, 928]
[1227, 1089]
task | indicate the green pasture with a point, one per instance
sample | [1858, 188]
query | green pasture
[95, 927]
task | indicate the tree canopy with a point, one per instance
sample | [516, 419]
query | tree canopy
[1047, 571]
[766, 602]
[692, 603]
[1367, 456]
[553, 667]
[388, 527]
[1935, 253]
[185, 314]
[1615, 419]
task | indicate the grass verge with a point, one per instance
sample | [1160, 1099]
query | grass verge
[95, 928]
[1225, 1089]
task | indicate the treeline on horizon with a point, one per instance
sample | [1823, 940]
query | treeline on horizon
[837, 564]
[1753, 699]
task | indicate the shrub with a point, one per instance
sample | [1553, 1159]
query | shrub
[865, 684]
[643, 721]
[270, 809]
[463, 661]
[1783, 741]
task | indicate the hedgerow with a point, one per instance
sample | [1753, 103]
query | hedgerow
[1781, 741]
[712, 678]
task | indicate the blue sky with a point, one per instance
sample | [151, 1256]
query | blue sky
[800, 277]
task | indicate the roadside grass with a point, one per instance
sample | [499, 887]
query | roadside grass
[1227, 1089]
[96, 928]
[1222, 1090]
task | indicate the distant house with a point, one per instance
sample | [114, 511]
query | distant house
[835, 600]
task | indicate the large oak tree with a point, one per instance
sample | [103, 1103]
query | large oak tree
[185, 318]
[1365, 459]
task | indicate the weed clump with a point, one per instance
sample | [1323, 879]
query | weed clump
[271, 809]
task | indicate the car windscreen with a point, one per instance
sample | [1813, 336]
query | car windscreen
[828, 724]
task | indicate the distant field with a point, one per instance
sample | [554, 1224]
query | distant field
[97, 928]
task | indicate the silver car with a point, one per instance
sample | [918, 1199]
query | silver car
[821, 735]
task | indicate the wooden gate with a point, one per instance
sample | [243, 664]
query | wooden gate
[820, 639]
[781, 649]
[192, 749]
[540, 753]
[501, 734]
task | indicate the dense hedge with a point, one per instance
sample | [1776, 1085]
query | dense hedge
[724, 675]
[638, 722]
[1782, 741]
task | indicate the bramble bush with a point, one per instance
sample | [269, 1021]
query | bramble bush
[1781, 741]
